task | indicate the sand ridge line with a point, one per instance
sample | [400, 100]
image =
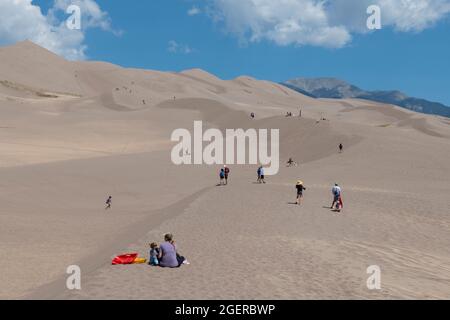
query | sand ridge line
[58, 147]
[218, 89]
[102, 256]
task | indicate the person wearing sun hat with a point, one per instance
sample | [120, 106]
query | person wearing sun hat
[300, 188]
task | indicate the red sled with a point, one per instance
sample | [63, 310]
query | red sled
[125, 259]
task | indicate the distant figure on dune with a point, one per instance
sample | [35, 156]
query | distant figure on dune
[341, 148]
[261, 175]
[108, 203]
[222, 176]
[252, 115]
[337, 198]
[300, 188]
[226, 172]
[168, 255]
[291, 163]
[300, 113]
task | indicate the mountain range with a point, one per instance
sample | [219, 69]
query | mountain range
[339, 89]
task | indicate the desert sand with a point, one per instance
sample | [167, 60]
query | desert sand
[73, 133]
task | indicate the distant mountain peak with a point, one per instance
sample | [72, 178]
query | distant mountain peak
[325, 87]
[339, 89]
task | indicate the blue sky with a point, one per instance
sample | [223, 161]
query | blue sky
[416, 61]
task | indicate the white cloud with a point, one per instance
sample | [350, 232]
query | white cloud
[22, 20]
[285, 22]
[402, 15]
[175, 47]
[414, 15]
[326, 23]
[194, 11]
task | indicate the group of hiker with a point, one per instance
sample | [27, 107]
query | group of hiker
[166, 255]
[223, 175]
[260, 173]
[225, 172]
[336, 191]
[337, 204]
[288, 114]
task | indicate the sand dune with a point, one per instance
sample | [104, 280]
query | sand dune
[72, 133]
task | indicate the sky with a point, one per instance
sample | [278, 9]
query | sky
[274, 40]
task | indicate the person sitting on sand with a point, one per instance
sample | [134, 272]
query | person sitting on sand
[168, 256]
[300, 188]
[154, 253]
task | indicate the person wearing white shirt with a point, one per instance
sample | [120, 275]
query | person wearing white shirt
[336, 194]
